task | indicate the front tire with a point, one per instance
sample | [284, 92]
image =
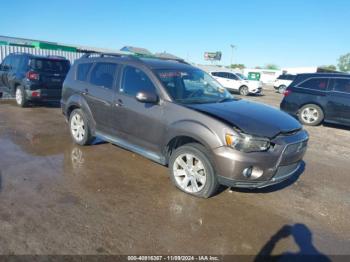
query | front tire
[244, 91]
[79, 128]
[191, 171]
[311, 115]
[20, 96]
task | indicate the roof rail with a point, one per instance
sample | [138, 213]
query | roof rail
[56, 56]
[133, 56]
[100, 54]
[180, 60]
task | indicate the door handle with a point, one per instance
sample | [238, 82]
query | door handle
[119, 103]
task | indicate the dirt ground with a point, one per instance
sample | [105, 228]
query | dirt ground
[59, 198]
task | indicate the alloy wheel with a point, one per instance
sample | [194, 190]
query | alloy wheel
[309, 115]
[189, 173]
[19, 96]
[77, 127]
[244, 91]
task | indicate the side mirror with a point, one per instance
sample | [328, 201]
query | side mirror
[146, 97]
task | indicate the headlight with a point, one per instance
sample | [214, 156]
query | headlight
[247, 143]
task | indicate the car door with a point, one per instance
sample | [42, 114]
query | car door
[339, 100]
[235, 82]
[10, 76]
[141, 124]
[99, 93]
[225, 80]
[220, 77]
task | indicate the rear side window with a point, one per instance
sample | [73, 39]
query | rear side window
[341, 85]
[135, 80]
[7, 61]
[103, 74]
[315, 84]
[281, 77]
[83, 71]
[16, 60]
[50, 65]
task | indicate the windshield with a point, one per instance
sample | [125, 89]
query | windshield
[242, 76]
[192, 86]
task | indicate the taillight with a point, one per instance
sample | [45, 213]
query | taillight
[35, 94]
[31, 75]
[287, 92]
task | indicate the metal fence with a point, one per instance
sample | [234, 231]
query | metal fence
[6, 50]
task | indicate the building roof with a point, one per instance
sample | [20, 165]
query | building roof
[136, 50]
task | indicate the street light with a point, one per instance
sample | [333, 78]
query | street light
[232, 47]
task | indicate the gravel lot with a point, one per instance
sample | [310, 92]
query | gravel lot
[59, 198]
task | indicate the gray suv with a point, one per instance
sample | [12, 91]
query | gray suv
[179, 116]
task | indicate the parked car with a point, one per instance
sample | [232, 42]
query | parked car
[179, 116]
[33, 78]
[238, 83]
[318, 97]
[282, 82]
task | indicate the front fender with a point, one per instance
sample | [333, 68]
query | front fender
[195, 130]
[79, 101]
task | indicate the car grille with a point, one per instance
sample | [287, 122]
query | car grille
[295, 148]
[285, 171]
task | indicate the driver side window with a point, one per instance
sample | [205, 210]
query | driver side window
[135, 80]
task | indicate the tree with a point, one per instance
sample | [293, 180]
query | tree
[239, 66]
[271, 67]
[344, 63]
[329, 67]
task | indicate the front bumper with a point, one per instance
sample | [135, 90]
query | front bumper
[277, 164]
[258, 90]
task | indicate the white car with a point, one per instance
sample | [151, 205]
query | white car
[282, 82]
[237, 82]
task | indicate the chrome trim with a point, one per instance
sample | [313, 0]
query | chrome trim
[285, 176]
[126, 145]
[283, 151]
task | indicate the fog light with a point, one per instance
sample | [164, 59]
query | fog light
[253, 172]
[247, 172]
[257, 172]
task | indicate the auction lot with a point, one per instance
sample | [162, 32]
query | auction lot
[59, 198]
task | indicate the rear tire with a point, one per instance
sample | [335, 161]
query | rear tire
[20, 96]
[192, 172]
[244, 91]
[281, 89]
[311, 115]
[79, 128]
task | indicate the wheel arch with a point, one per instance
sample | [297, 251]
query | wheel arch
[78, 102]
[186, 132]
[312, 103]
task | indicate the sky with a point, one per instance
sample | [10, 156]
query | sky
[286, 33]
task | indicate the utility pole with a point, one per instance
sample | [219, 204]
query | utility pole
[232, 47]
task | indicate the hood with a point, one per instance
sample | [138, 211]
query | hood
[252, 118]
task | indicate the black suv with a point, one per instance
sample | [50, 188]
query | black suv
[177, 115]
[318, 97]
[33, 78]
